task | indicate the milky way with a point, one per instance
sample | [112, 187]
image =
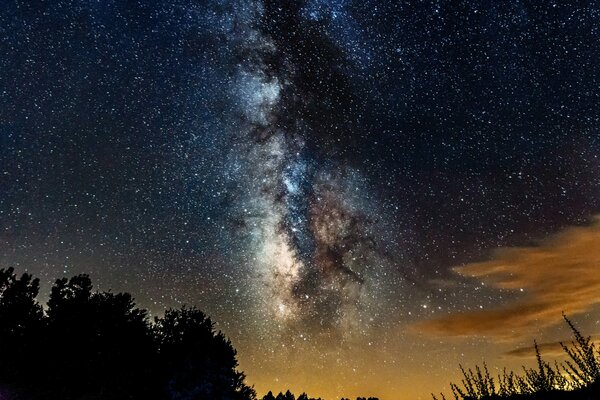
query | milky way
[312, 219]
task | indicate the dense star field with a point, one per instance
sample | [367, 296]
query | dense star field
[322, 177]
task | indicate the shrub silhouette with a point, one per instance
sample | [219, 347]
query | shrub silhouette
[100, 345]
[583, 368]
[576, 378]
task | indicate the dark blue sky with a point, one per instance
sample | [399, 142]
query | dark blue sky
[314, 163]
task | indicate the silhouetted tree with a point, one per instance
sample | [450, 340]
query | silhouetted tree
[99, 344]
[287, 396]
[268, 396]
[21, 320]
[200, 364]
[303, 396]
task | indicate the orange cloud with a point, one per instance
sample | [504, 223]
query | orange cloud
[561, 274]
[552, 349]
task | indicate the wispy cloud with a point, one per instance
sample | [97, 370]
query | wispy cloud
[561, 274]
[551, 349]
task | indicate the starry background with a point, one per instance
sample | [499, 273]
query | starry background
[307, 172]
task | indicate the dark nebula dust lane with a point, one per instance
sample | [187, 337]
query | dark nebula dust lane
[315, 233]
[323, 177]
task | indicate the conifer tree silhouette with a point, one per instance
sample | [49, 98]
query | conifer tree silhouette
[287, 396]
[268, 396]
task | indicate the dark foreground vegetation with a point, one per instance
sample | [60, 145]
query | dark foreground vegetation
[99, 345]
[287, 396]
[290, 396]
[577, 378]
[90, 345]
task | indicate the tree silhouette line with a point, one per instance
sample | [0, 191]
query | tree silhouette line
[92, 345]
[290, 396]
[99, 345]
[577, 378]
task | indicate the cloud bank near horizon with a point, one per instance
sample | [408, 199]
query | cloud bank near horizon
[561, 274]
[550, 349]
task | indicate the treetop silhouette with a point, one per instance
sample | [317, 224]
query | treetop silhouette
[100, 345]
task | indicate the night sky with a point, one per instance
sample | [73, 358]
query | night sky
[363, 194]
